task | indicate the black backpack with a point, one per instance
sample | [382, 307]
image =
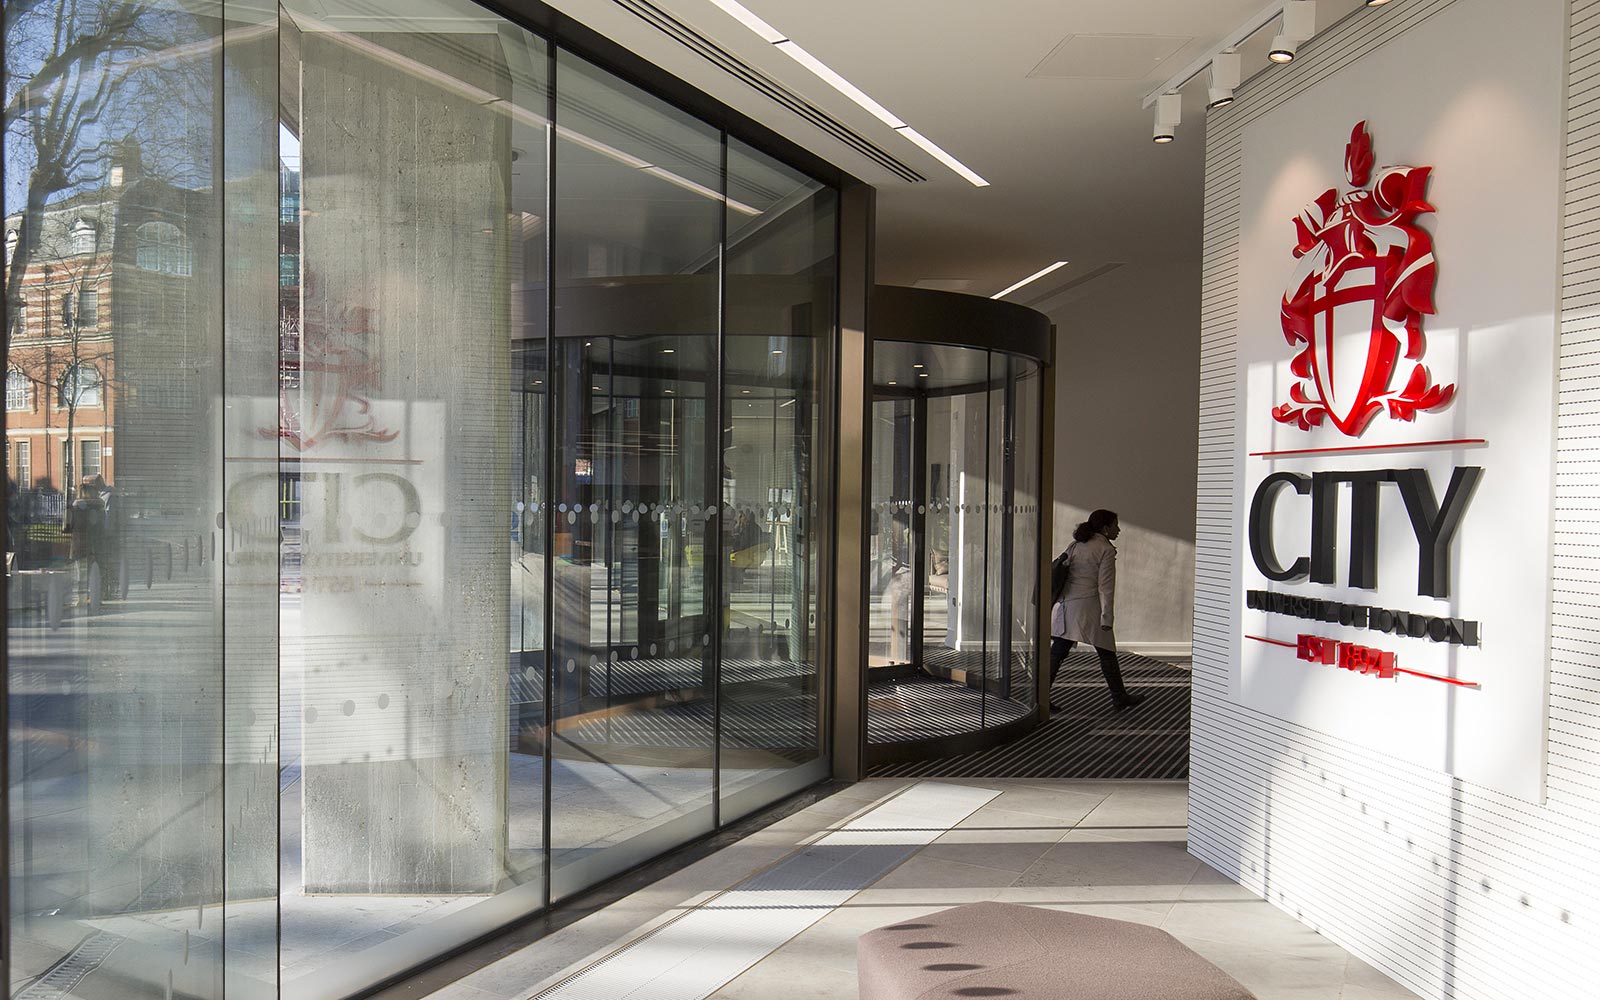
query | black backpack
[1058, 576]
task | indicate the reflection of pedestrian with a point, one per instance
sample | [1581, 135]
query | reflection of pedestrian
[85, 531]
[746, 548]
[1085, 608]
[897, 603]
[109, 550]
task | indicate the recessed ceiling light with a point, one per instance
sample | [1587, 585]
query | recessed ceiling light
[1035, 276]
[777, 352]
[919, 366]
[923, 375]
[745, 391]
[668, 350]
[747, 18]
[932, 149]
[894, 383]
[822, 71]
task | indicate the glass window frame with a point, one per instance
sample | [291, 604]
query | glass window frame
[19, 391]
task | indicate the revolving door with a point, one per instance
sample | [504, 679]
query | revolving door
[953, 554]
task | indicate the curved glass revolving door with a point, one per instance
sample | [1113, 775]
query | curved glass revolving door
[954, 537]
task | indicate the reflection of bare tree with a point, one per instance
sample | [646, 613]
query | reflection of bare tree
[72, 97]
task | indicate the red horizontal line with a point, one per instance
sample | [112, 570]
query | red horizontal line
[1275, 642]
[1414, 446]
[1398, 670]
[1436, 677]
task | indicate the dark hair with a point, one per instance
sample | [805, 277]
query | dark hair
[1097, 523]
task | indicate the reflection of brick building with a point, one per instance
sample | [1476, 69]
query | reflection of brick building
[61, 367]
[102, 366]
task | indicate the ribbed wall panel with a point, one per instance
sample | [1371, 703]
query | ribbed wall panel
[1455, 891]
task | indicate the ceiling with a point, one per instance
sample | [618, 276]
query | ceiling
[1073, 174]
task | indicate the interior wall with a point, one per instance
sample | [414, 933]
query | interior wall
[1127, 391]
[1455, 890]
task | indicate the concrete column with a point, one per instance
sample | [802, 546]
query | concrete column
[404, 429]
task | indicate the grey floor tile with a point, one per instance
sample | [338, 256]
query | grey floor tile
[1110, 849]
[1112, 863]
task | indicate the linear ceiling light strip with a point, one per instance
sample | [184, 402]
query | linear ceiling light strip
[783, 43]
[753, 78]
[1030, 279]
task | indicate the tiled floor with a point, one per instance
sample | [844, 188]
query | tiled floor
[1114, 849]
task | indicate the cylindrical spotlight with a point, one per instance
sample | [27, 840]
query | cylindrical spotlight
[1169, 112]
[1299, 24]
[1225, 71]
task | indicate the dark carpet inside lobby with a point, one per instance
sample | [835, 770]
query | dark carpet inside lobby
[1086, 737]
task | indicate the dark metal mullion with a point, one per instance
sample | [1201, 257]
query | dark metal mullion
[549, 453]
[772, 509]
[714, 524]
[1042, 640]
[1008, 437]
[830, 398]
[613, 472]
[983, 649]
[919, 546]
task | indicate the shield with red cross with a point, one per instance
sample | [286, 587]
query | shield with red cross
[1355, 303]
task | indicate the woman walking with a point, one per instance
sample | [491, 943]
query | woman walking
[1085, 605]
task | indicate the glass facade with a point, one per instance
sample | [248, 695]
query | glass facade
[954, 547]
[439, 529]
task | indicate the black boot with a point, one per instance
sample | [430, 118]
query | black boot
[1121, 697]
[1059, 648]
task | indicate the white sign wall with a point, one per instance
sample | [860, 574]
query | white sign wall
[1486, 117]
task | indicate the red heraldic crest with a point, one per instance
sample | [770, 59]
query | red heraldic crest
[1363, 281]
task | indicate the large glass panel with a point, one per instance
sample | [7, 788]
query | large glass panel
[412, 449]
[941, 551]
[891, 583]
[1007, 697]
[996, 620]
[779, 300]
[958, 477]
[122, 792]
[638, 230]
[1025, 462]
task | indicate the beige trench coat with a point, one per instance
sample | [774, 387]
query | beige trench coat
[1087, 607]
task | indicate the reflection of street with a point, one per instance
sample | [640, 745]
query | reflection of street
[119, 845]
[114, 830]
